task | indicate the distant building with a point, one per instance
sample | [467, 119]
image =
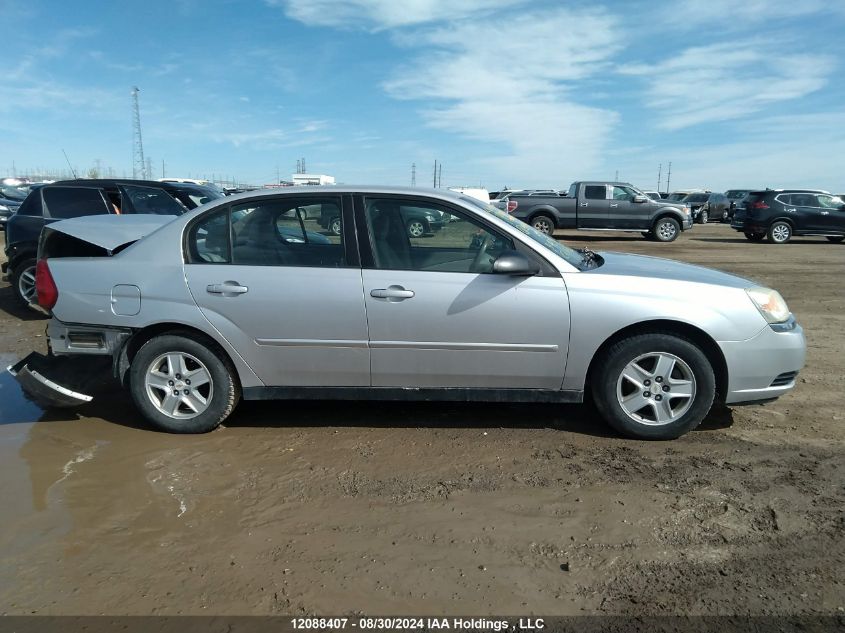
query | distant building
[311, 179]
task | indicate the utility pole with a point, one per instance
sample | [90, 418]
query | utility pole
[304, 171]
[413, 174]
[434, 182]
[669, 176]
[139, 165]
[616, 178]
[163, 175]
[659, 175]
[439, 175]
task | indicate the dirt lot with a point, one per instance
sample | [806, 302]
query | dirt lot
[431, 509]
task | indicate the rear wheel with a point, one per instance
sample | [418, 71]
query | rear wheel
[704, 216]
[23, 282]
[835, 238]
[182, 385]
[779, 232]
[755, 237]
[654, 386]
[335, 226]
[544, 224]
[666, 230]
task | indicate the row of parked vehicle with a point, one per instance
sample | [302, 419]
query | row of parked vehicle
[773, 214]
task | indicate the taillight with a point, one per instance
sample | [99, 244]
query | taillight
[759, 204]
[512, 205]
[45, 287]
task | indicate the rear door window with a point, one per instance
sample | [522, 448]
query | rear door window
[74, 202]
[151, 200]
[595, 192]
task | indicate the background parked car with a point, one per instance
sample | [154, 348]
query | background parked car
[654, 195]
[74, 198]
[778, 214]
[736, 198]
[707, 206]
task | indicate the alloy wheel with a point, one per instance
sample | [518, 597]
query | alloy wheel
[416, 228]
[656, 388]
[543, 225]
[781, 233]
[666, 231]
[178, 385]
[26, 284]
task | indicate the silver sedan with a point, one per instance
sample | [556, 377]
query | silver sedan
[250, 298]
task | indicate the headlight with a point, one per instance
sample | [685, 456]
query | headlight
[3, 207]
[770, 304]
[687, 210]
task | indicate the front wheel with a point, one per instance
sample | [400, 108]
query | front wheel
[181, 384]
[666, 230]
[654, 386]
[704, 216]
[544, 224]
[779, 233]
[23, 282]
[835, 238]
[754, 237]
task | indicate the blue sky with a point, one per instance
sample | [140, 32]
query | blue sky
[503, 92]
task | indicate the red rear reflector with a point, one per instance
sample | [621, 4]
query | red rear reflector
[45, 287]
[512, 205]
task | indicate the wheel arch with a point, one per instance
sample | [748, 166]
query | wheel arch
[667, 213]
[667, 326]
[123, 358]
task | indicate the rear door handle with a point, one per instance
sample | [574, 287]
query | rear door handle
[227, 288]
[584, 204]
[614, 205]
[392, 293]
[825, 212]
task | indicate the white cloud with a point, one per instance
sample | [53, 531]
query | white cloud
[384, 14]
[726, 81]
[518, 92]
[734, 15]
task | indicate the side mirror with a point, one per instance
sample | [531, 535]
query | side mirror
[514, 263]
[640, 199]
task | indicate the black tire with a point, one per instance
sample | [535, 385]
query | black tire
[607, 380]
[835, 238]
[779, 232]
[755, 237]
[20, 278]
[225, 389]
[666, 230]
[544, 224]
[335, 227]
[703, 216]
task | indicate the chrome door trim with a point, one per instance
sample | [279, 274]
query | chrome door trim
[309, 342]
[487, 347]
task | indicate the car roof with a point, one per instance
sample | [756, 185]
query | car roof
[106, 182]
[765, 191]
[443, 194]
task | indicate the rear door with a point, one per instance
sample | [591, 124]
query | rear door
[593, 207]
[285, 292]
[439, 317]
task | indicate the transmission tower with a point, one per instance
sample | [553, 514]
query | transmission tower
[139, 165]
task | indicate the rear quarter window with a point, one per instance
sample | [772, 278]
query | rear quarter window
[595, 192]
[32, 204]
[74, 202]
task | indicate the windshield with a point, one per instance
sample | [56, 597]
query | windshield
[570, 255]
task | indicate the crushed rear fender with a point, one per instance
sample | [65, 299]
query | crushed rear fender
[66, 381]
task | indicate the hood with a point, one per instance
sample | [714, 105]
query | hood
[624, 264]
[111, 231]
[672, 203]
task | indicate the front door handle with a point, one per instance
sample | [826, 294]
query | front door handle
[584, 204]
[825, 212]
[614, 205]
[392, 293]
[227, 289]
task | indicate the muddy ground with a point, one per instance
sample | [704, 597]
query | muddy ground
[382, 508]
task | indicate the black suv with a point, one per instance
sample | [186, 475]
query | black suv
[778, 214]
[75, 198]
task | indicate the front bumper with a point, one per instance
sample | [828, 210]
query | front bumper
[687, 224]
[765, 366]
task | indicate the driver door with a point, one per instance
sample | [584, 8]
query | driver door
[439, 317]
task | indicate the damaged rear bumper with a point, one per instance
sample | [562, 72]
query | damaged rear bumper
[67, 381]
